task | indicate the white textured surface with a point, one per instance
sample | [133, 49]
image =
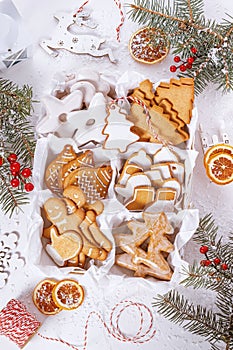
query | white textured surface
[207, 197]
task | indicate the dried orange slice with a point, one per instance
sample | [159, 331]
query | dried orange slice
[220, 168]
[216, 149]
[42, 297]
[68, 294]
[141, 48]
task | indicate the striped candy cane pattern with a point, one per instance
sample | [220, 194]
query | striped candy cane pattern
[17, 323]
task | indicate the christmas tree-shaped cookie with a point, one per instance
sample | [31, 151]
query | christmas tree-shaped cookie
[117, 130]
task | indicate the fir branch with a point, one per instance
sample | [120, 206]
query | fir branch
[16, 136]
[195, 319]
[184, 22]
[185, 26]
[216, 327]
[11, 198]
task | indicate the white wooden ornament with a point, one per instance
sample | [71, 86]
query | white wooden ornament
[10, 259]
[208, 141]
[79, 43]
[117, 130]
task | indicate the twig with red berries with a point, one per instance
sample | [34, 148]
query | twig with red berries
[17, 144]
[185, 28]
[215, 273]
[184, 64]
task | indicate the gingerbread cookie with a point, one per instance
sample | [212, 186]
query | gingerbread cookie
[57, 213]
[181, 96]
[94, 182]
[64, 247]
[54, 170]
[83, 160]
[76, 195]
[154, 230]
[142, 195]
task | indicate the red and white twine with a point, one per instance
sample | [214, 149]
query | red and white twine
[81, 8]
[147, 115]
[118, 3]
[142, 335]
[16, 323]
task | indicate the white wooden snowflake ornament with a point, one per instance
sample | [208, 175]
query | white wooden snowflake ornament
[10, 260]
[117, 130]
[78, 43]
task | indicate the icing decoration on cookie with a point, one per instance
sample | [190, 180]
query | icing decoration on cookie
[127, 171]
[54, 170]
[85, 159]
[70, 205]
[164, 170]
[100, 238]
[97, 207]
[164, 201]
[86, 124]
[75, 194]
[57, 213]
[56, 110]
[150, 261]
[135, 180]
[141, 159]
[94, 182]
[117, 130]
[155, 175]
[177, 171]
[174, 185]
[64, 247]
[141, 197]
[165, 154]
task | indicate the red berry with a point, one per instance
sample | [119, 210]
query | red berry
[14, 173]
[1, 161]
[173, 69]
[194, 50]
[217, 261]
[12, 157]
[182, 68]
[26, 172]
[190, 59]
[189, 66]
[29, 187]
[177, 59]
[205, 262]
[204, 249]
[15, 166]
[15, 182]
[224, 266]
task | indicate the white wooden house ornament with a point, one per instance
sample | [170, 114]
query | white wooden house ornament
[66, 37]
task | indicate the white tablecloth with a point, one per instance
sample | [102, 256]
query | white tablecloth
[103, 294]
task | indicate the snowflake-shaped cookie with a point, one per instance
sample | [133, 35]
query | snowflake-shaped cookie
[10, 260]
